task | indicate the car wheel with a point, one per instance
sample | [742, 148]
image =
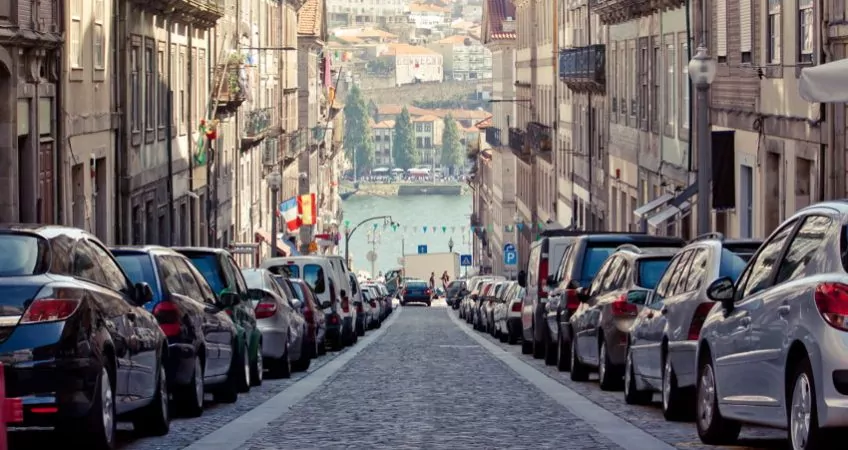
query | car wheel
[550, 352]
[607, 373]
[579, 372]
[322, 347]
[302, 364]
[804, 431]
[538, 346]
[526, 347]
[154, 419]
[228, 391]
[97, 429]
[244, 374]
[511, 336]
[674, 405]
[713, 429]
[563, 354]
[189, 399]
[257, 368]
[632, 395]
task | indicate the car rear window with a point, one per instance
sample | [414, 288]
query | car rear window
[139, 269]
[22, 255]
[651, 270]
[592, 260]
[313, 274]
[417, 284]
[732, 264]
[211, 271]
[298, 291]
[286, 270]
[253, 279]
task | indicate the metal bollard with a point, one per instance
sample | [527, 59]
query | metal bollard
[12, 411]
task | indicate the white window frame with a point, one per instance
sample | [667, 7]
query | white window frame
[773, 31]
[98, 40]
[76, 53]
[670, 84]
[684, 85]
[806, 31]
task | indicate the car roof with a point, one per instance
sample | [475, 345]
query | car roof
[635, 239]
[149, 249]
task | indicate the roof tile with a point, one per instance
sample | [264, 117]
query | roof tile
[309, 18]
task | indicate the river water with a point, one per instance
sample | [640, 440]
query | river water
[447, 215]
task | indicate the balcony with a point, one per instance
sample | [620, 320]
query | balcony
[516, 139]
[493, 136]
[296, 141]
[200, 13]
[584, 69]
[613, 12]
[539, 136]
[230, 90]
[258, 123]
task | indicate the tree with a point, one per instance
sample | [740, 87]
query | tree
[359, 137]
[452, 153]
[406, 156]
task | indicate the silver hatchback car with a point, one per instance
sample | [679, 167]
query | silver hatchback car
[774, 349]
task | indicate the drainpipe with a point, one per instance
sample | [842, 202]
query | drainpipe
[831, 186]
[123, 211]
[61, 141]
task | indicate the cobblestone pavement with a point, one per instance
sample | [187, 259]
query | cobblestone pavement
[426, 384]
[648, 418]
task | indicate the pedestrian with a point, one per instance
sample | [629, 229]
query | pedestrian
[445, 280]
[432, 284]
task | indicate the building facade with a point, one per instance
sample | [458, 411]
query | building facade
[414, 64]
[31, 64]
[465, 58]
[383, 140]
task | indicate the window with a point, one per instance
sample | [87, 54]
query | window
[651, 270]
[643, 74]
[758, 274]
[170, 276]
[163, 93]
[731, 264]
[135, 110]
[632, 74]
[808, 241]
[208, 295]
[773, 49]
[192, 289]
[139, 268]
[24, 255]
[665, 281]
[313, 275]
[684, 84]
[680, 272]
[806, 28]
[592, 260]
[202, 89]
[173, 79]
[149, 87]
[76, 34]
[193, 81]
[111, 272]
[98, 36]
[208, 266]
[670, 83]
[697, 270]
[181, 85]
[656, 63]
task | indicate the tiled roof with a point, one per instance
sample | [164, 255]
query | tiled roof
[458, 114]
[426, 118]
[455, 40]
[309, 18]
[349, 39]
[384, 124]
[485, 123]
[406, 49]
[363, 33]
[424, 7]
[497, 12]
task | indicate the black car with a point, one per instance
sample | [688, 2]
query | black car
[201, 336]
[417, 291]
[76, 343]
[456, 289]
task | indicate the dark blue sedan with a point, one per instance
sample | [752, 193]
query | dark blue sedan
[417, 291]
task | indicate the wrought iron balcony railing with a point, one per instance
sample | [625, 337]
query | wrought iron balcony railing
[256, 126]
[516, 139]
[539, 136]
[200, 13]
[229, 90]
[493, 136]
[613, 12]
[583, 68]
[297, 141]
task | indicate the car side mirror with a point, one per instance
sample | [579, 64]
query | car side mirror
[142, 293]
[723, 291]
[297, 304]
[522, 278]
[583, 294]
[637, 297]
[228, 299]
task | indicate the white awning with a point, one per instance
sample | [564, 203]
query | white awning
[667, 214]
[652, 205]
[827, 83]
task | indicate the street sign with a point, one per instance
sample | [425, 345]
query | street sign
[465, 260]
[422, 249]
[510, 255]
[371, 256]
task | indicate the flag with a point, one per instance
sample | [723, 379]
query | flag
[307, 210]
[289, 213]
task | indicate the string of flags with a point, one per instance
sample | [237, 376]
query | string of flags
[444, 228]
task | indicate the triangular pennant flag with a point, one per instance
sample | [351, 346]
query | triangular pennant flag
[347, 224]
[425, 228]
[520, 226]
[444, 229]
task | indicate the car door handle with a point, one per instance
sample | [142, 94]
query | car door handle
[745, 322]
[664, 311]
[783, 310]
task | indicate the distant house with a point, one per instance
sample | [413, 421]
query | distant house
[465, 58]
[428, 137]
[414, 64]
[383, 139]
[428, 16]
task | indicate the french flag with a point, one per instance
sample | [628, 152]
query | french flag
[290, 213]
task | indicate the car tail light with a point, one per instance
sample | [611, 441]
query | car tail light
[832, 303]
[168, 315]
[403, 292]
[345, 305]
[516, 307]
[265, 309]
[334, 319]
[428, 292]
[620, 308]
[698, 319]
[543, 277]
[307, 314]
[229, 312]
[52, 308]
[359, 308]
[373, 303]
[572, 300]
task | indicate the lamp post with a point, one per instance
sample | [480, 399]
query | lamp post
[450, 245]
[702, 71]
[349, 232]
[274, 180]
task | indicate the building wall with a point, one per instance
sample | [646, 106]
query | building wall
[424, 68]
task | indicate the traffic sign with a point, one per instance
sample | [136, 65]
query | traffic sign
[510, 255]
[422, 249]
[465, 260]
[371, 256]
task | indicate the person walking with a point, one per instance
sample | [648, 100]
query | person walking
[432, 284]
[445, 281]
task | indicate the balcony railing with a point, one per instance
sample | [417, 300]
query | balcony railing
[539, 136]
[584, 68]
[297, 142]
[200, 13]
[493, 136]
[229, 90]
[613, 12]
[516, 139]
[257, 124]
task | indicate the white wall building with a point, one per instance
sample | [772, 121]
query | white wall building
[415, 64]
[427, 16]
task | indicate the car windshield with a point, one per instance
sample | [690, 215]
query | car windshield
[287, 270]
[253, 278]
[416, 284]
[313, 274]
[732, 264]
[298, 292]
[22, 255]
[139, 268]
[211, 270]
[592, 261]
[651, 270]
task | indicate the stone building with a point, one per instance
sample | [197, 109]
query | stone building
[30, 117]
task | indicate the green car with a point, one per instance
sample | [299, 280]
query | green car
[224, 276]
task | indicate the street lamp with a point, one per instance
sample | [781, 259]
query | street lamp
[450, 245]
[702, 71]
[274, 180]
[387, 220]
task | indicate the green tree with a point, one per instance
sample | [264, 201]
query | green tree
[359, 137]
[406, 156]
[452, 153]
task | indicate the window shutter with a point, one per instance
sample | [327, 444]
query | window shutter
[721, 27]
[745, 25]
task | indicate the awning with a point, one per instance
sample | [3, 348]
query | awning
[667, 214]
[282, 247]
[643, 210]
[826, 83]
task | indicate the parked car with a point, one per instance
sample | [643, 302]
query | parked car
[281, 323]
[224, 276]
[312, 312]
[480, 300]
[487, 306]
[508, 315]
[601, 323]
[201, 336]
[416, 291]
[370, 308]
[466, 305]
[68, 312]
[318, 273]
[375, 301]
[456, 291]
[664, 337]
[773, 349]
[358, 311]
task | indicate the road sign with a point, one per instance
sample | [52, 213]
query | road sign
[510, 255]
[422, 249]
[465, 260]
[371, 256]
